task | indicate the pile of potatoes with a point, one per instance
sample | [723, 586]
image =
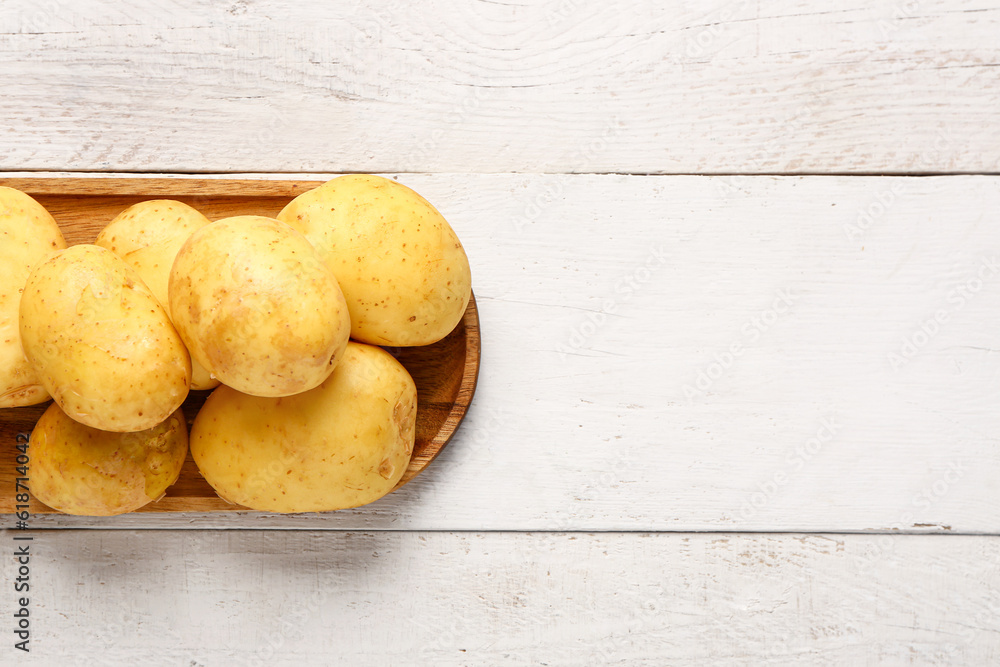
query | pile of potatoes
[281, 318]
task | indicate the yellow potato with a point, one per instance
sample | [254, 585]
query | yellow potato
[343, 444]
[148, 236]
[80, 470]
[28, 234]
[102, 344]
[257, 307]
[404, 272]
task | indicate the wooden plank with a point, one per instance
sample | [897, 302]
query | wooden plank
[445, 372]
[690, 87]
[300, 598]
[604, 299]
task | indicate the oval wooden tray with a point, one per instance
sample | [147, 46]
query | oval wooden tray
[445, 373]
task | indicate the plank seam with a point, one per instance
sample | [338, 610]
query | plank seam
[196, 172]
[476, 531]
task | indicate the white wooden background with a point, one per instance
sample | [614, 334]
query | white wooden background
[738, 269]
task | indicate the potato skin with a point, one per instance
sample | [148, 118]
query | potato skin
[343, 444]
[77, 469]
[102, 344]
[257, 306]
[404, 272]
[148, 236]
[28, 234]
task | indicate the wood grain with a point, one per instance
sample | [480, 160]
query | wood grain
[581, 420]
[399, 598]
[604, 297]
[724, 86]
[445, 373]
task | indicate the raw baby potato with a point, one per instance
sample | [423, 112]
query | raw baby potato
[148, 236]
[80, 470]
[28, 234]
[404, 272]
[103, 346]
[343, 444]
[257, 307]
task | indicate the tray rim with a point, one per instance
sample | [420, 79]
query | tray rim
[463, 399]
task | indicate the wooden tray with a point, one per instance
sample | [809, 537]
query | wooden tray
[445, 373]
